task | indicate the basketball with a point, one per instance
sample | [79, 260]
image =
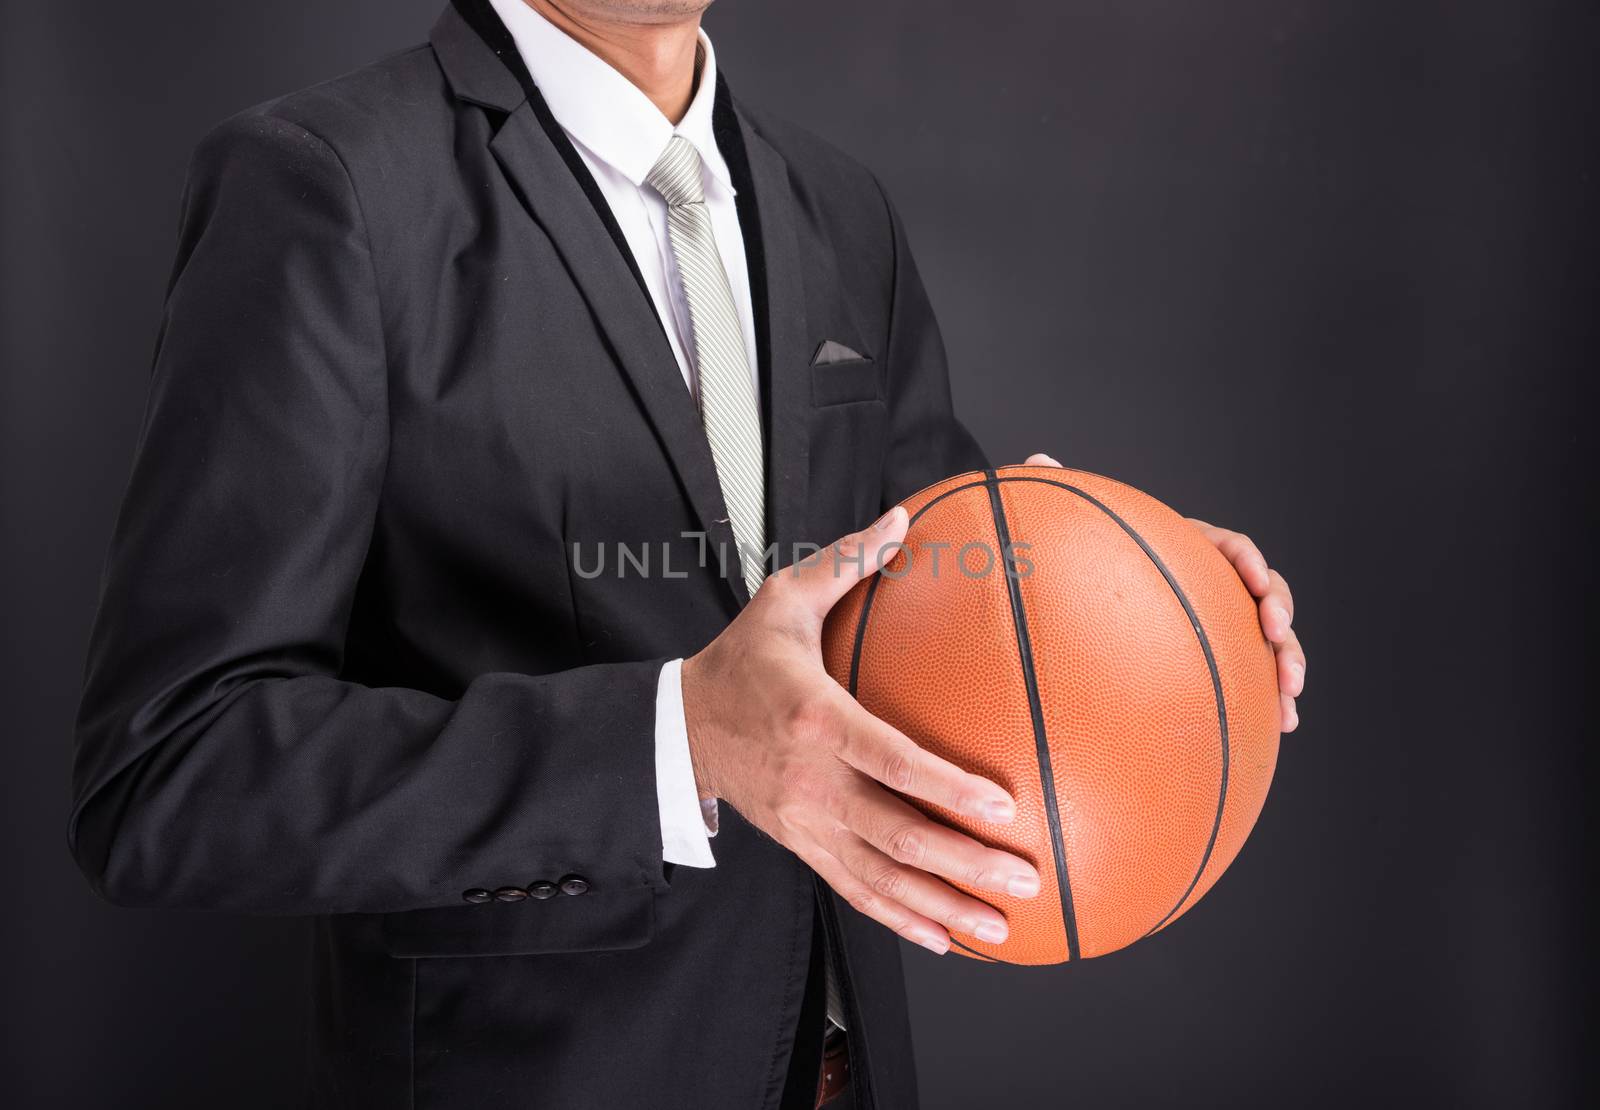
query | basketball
[1089, 650]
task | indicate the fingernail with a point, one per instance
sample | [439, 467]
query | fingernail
[883, 521]
[992, 931]
[1001, 811]
[934, 943]
[1048, 459]
[1299, 674]
[1022, 886]
[1281, 616]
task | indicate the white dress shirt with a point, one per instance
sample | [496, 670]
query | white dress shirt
[619, 133]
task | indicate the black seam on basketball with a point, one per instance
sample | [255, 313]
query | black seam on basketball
[1041, 741]
[971, 951]
[872, 588]
[861, 632]
[1211, 665]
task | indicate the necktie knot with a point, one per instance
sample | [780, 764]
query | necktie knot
[676, 174]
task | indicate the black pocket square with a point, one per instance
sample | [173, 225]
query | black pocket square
[831, 350]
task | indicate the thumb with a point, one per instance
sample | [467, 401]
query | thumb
[827, 576]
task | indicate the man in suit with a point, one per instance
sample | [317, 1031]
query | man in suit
[441, 333]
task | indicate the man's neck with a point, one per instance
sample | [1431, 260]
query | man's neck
[658, 56]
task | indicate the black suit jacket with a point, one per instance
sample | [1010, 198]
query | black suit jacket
[344, 666]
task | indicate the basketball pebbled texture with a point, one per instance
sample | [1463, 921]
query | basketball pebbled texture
[1088, 649]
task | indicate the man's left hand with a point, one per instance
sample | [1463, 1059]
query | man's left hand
[1272, 595]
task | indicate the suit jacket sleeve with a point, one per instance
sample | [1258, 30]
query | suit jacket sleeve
[221, 761]
[926, 441]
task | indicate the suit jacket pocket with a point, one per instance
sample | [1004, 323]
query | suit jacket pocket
[839, 383]
[591, 922]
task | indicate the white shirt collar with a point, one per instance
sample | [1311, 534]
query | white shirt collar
[601, 109]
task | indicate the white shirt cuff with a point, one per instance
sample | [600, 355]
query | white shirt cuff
[688, 822]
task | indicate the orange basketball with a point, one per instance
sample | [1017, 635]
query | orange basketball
[1082, 645]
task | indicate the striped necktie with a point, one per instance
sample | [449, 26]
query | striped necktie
[722, 369]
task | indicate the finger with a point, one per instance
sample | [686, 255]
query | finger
[1247, 560]
[1291, 667]
[1288, 715]
[864, 900]
[1276, 619]
[1277, 608]
[1279, 588]
[1040, 460]
[918, 891]
[888, 755]
[908, 837]
[822, 579]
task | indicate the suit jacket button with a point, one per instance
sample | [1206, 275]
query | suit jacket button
[541, 890]
[574, 884]
[476, 895]
[510, 894]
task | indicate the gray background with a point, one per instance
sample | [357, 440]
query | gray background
[1314, 269]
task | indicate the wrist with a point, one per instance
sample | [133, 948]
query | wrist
[696, 696]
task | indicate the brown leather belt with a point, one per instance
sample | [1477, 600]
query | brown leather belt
[834, 1078]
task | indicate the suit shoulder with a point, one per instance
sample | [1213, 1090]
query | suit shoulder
[368, 116]
[823, 170]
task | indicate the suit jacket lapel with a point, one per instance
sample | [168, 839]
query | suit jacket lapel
[772, 253]
[480, 58]
[624, 314]
[528, 147]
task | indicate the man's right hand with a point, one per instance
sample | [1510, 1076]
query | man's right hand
[774, 736]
